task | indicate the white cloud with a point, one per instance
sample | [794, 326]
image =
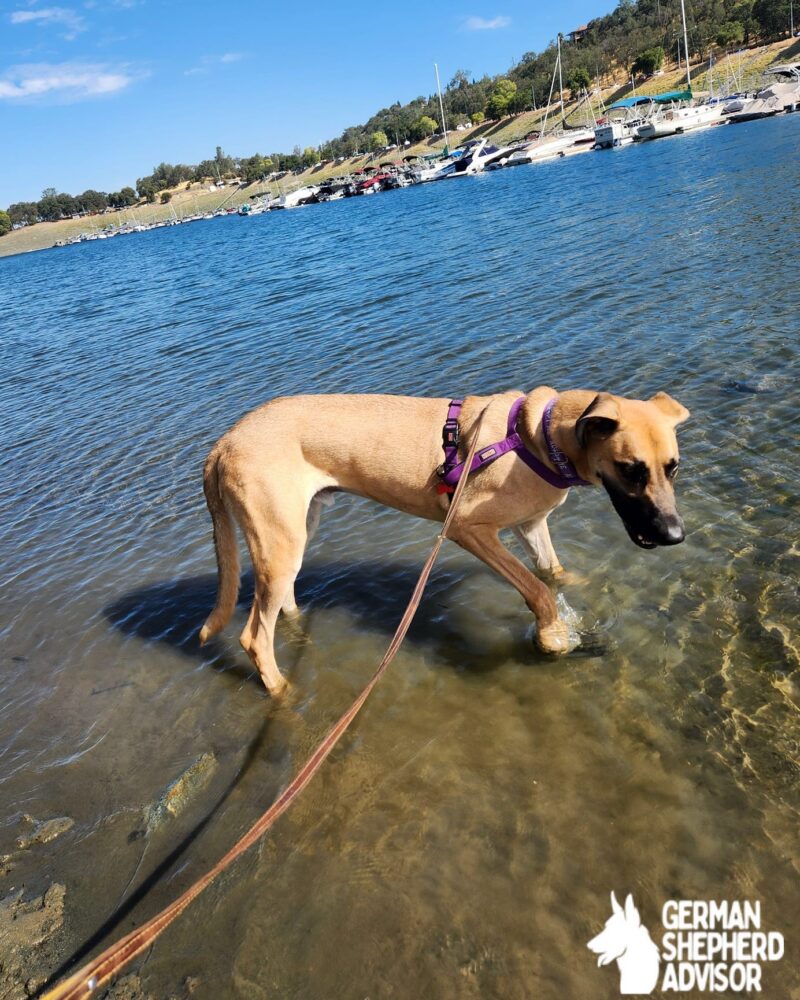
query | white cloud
[208, 62]
[486, 24]
[63, 81]
[63, 16]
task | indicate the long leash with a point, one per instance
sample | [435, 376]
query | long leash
[109, 963]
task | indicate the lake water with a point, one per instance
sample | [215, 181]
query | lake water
[464, 837]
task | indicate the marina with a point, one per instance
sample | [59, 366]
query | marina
[626, 121]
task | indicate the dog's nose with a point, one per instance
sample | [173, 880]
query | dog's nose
[671, 530]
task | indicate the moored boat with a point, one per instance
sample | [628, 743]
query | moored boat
[782, 95]
[675, 120]
[621, 129]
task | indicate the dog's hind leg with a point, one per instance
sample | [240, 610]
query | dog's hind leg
[276, 539]
[289, 606]
[482, 541]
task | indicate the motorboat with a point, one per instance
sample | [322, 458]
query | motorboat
[675, 120]
[781, 95]
[476, 154]
[424, 171]
[634, 112]
[294, 199]
[549, 147]
[373, 184]
[257, 205]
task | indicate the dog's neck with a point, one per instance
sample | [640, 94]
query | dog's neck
[569, 406]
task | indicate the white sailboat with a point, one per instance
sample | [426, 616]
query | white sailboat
[676, 119]
[547, 147]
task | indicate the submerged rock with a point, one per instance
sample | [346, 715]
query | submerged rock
[25, 925]
[756, 384]
[177, 795]
[44, 831]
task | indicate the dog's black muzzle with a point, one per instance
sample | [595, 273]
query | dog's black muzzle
[647, 526]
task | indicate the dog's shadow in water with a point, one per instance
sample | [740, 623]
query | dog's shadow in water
[374, 594]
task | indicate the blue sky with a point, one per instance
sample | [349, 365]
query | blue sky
[94, 94]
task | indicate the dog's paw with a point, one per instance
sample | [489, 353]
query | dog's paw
[563, 578]
[554, 638]
[560, 577]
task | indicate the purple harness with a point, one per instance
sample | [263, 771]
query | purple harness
[450, 471]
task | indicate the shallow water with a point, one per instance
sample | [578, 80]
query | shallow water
[463, 838]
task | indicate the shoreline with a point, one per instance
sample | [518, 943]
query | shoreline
[199, 199]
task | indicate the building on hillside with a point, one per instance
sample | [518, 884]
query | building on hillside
[578, 33]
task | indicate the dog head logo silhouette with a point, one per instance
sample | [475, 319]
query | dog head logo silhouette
[627, 941]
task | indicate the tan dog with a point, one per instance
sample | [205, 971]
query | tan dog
[272, 472]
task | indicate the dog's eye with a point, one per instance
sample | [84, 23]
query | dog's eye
[634, 473]
[671, 468]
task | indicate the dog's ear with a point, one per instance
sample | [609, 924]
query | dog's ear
[670, 407]
[598, 421]
[615, 907]
[631, 913]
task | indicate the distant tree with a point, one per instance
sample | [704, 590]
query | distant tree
[460, 80]
[24, 211]
[477, 117]
[731, 33]
[56, 206]
[122, 199]
[166, 197]
[146, 188]
[224, 164]
[378, 140]
[743, 13]
[5, 223]
[67, 204]
[521, 101]
[49, 193]
[91, 201]
[502, 95]
[204, 170]
[254, 168]
[310, 156]
[772, 17]
[579, 80]
[423, 127]
[49, 209]
[649, 61]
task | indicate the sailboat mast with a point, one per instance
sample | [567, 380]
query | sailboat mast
[441, 108]
[686, 47]
[560, 82]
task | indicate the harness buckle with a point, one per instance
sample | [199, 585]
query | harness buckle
[450, 434]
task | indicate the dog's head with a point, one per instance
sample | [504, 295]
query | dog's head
[619, 933]
[631, 448]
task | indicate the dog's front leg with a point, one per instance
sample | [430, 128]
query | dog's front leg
[535, 538]
[482, 541]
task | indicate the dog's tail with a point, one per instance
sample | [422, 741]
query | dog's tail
[228, 567]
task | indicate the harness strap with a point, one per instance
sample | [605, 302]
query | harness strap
[450, 471]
